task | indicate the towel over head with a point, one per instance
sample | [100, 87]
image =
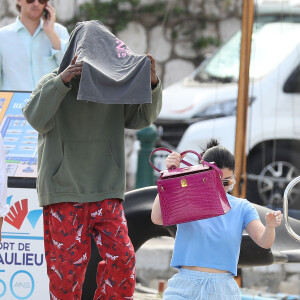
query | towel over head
[111, 72]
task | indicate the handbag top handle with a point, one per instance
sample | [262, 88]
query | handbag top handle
[183, 161]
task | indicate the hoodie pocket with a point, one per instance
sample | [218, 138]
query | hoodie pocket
[87, 167]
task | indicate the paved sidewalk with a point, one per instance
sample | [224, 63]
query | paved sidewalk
[153, 262]
[143, 296]
[144, 293]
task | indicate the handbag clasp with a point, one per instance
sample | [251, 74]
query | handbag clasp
[183, 183]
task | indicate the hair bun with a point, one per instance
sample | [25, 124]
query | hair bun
[212, 143]
[221, 156]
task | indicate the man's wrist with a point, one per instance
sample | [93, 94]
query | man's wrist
[154, 84]
[67, 84]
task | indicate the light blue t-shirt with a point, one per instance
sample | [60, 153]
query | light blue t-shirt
[215, 242]
[25, 59]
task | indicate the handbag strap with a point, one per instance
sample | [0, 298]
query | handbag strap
[155, 150]
[183, 161]
[201, 161]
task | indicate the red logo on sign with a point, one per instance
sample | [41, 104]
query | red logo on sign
[17, 213]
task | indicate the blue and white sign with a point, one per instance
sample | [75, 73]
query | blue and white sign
[23, 273]
[20, 139]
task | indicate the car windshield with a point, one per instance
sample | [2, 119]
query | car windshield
[271, 44]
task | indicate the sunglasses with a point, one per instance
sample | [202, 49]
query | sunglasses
[228, 182]
[41, 1]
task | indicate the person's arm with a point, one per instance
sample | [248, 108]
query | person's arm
[44, 102]
[156, 216]
[138, 116]
[264, 236]
[57, 34]
[47, 97]
[48, 27]
[4, 208]
[172, 160]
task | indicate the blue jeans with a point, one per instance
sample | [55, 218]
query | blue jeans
[196, 285]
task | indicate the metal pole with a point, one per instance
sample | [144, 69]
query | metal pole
[287, 191]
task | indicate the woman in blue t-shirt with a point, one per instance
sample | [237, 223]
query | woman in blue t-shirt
[206, 252]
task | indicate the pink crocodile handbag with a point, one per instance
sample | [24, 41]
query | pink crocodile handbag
[190, 193]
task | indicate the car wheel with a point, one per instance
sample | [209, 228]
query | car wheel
[267, 179]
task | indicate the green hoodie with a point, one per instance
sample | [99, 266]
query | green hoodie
[81, 155]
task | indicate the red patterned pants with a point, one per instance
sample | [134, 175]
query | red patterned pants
[68, 228]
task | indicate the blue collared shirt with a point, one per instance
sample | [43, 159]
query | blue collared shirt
[24, 58]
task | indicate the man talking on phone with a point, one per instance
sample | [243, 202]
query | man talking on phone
[32, 46]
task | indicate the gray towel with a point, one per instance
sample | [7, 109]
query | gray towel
[111, 72]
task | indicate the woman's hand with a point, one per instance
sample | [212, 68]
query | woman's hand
[173, 160]
[273, 219]
[74, 69]
[264, 236]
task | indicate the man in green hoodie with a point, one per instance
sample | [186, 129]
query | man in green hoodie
[81, 181]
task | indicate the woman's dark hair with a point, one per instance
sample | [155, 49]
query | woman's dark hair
[18, 7]
[218, 154]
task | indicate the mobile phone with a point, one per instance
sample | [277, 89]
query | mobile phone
[46, 13]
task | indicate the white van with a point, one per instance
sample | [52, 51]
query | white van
[203, 106]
